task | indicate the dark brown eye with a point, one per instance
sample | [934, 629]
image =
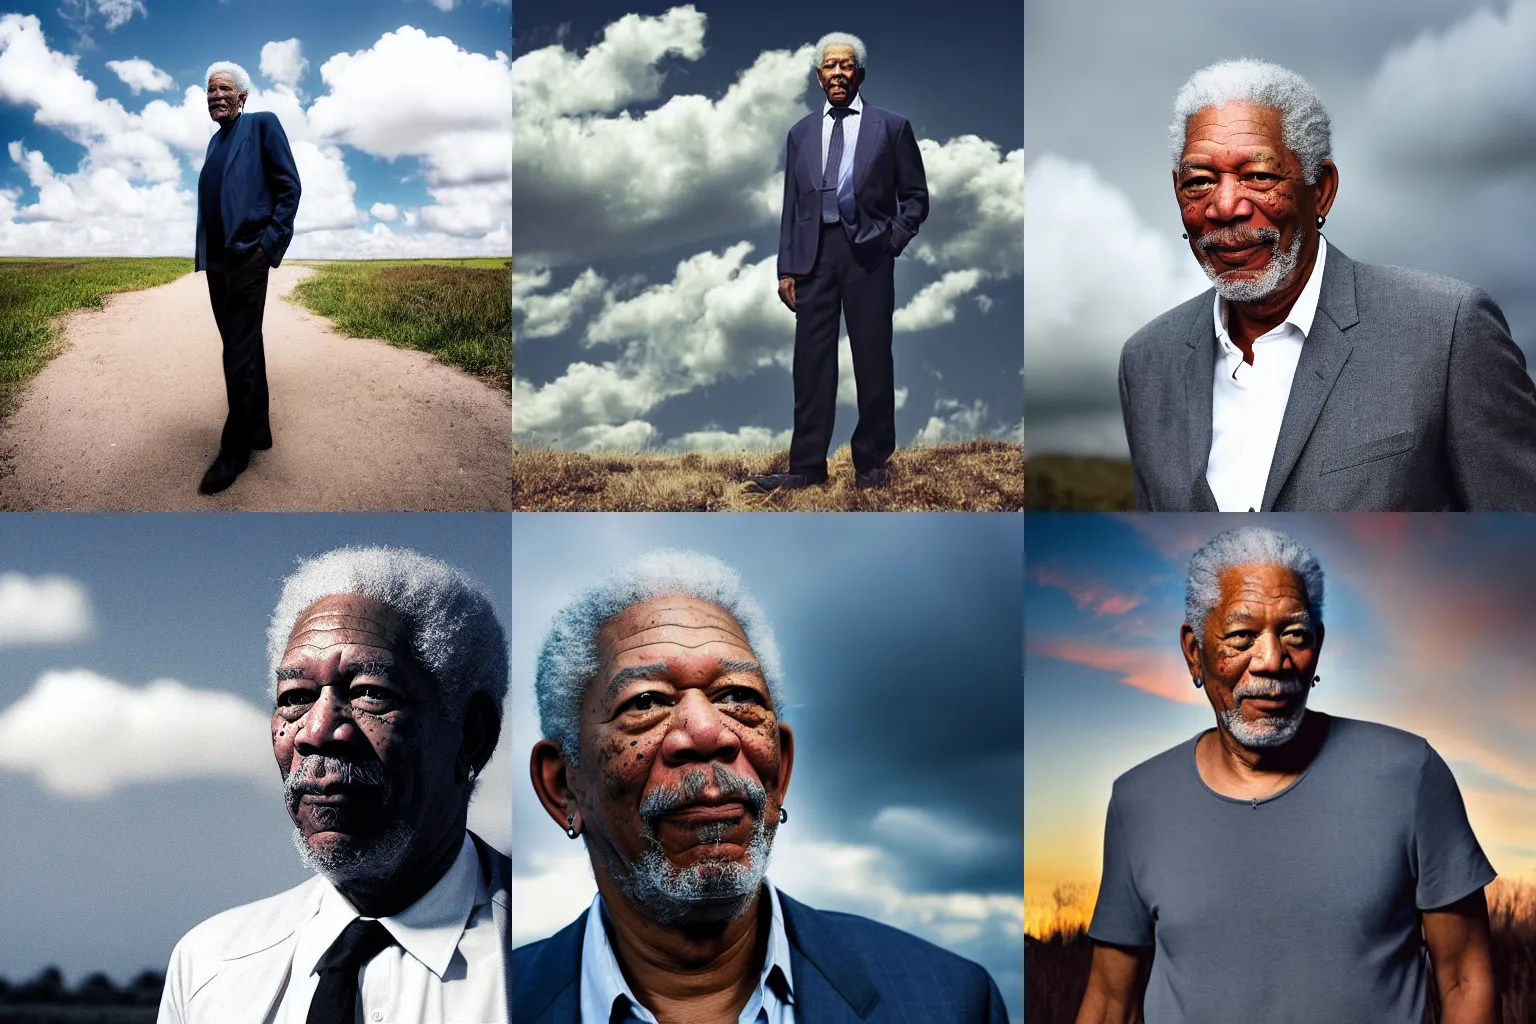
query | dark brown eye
[294, 697]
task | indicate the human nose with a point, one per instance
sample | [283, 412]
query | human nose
[1268, 655]
[699, 732]
[1228, 201]
[327, 722]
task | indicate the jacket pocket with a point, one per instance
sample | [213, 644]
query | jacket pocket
[1370, 451]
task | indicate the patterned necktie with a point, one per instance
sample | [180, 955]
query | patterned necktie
[335, 999]
[830, 176]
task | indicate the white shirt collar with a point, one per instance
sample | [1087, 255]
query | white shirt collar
[856, 105]
[1303, 310]
[602, 981]
[429, 929]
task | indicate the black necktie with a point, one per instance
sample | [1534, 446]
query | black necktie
[831, 173]
[335, 999]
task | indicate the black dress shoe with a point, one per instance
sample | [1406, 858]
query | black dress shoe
[781, 482]
[874, 478]
[223, 472]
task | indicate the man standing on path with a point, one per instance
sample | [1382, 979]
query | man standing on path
[854, 196]
[247, 196]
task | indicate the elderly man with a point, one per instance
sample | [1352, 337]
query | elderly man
[1286, 865]
[389, 674]
[854, 196]
[665, 750]
[1306, 380]
[247, 195]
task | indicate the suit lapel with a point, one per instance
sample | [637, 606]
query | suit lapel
[548, 990]
[1323, 356]
[242, 130]
[810, 150]
[1199, 376]
[871, 124]
[830, 984]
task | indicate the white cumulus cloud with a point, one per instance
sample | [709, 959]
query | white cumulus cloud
[384, 211]
[140, 75]
[84, 735]
[283, 62]
[42, 609]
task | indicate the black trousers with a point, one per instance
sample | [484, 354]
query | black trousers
[239, 296]
[862, 287]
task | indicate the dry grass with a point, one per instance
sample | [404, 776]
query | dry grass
[1056, 965]
[971, 476]
[1075, 483]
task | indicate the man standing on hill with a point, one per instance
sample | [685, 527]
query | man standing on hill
[247, 196]
[854, 196]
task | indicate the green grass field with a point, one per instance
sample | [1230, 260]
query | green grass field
[34, 292]
[459, 310]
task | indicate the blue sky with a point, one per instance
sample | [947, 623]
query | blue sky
[172, 811]
[392, 152]
[1426, 631]
[648, 208]
[900, 639]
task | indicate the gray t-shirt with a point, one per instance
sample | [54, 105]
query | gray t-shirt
[1297, 908]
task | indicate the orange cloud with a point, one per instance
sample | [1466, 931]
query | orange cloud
[1160, 673]
[1101, 598]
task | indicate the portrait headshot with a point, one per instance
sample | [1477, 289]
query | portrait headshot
[255, 258]
[281, 794]
[723, 817]
[1295, 815]
[778, 254]
[1325, 327]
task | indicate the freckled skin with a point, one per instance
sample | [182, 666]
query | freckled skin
[1261, 627]
[359, 694]
[1237, 173]
[692, 711]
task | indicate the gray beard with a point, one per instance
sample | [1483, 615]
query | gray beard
[377, 860]
[1272, 730]
[1281, 264]
[712, 890]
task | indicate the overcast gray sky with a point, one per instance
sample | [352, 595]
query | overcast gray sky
[138, 794]
[901, 638]
[1434, 136]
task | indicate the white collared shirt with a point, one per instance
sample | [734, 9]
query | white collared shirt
[445, 968]
[850, 139]
[1248, 402]
[602, 981]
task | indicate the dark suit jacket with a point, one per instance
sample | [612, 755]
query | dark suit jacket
[261, 190]
[846, 970]
[890, 191]
[1410, 396]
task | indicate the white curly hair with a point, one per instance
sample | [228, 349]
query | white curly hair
[235, 71]
[1305, 126]
[860, 52]
[1247, 545]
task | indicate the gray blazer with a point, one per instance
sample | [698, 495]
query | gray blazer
[1410, 396]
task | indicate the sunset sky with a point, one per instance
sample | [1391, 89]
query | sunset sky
[1427, 630]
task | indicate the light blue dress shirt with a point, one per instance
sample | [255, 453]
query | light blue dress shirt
[850, 143]
[603, 984]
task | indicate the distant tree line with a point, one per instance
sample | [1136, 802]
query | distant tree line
[48, 989]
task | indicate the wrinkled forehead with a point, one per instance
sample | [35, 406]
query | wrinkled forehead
[1262, 584]
[1236, 124]
[671, 624]
[342, 619]
[222, 78]
[838, 51]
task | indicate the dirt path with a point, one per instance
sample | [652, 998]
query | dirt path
[128, 417]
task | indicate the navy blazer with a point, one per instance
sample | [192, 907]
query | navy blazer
[846, 970]
[890, 191]
[261, 190]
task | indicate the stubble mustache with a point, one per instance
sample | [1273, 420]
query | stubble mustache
[660, 802]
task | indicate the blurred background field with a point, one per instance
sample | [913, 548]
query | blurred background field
[973, 476]
[460, 310]
[1058, 954]
[1079, 483]
[94, 999]
[33, 292]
